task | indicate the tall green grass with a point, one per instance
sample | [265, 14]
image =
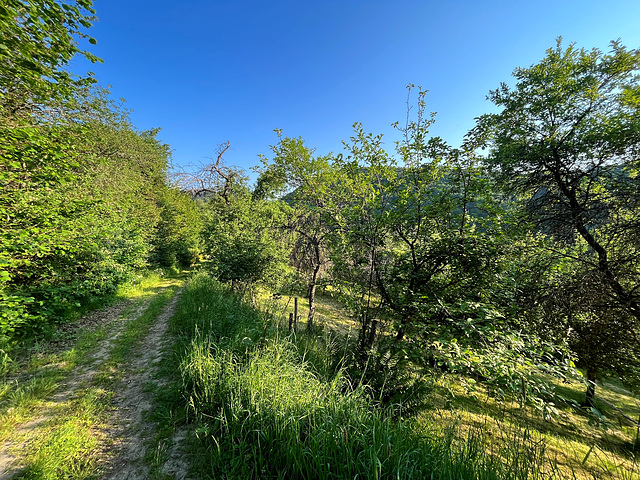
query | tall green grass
[260, 411]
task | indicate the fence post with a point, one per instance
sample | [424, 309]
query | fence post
[295, 314]
[290, 321]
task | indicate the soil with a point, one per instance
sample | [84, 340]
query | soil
[127, 432]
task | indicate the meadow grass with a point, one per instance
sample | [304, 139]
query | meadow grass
[260, 408]
[576, 444]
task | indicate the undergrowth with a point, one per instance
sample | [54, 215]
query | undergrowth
[260, 409]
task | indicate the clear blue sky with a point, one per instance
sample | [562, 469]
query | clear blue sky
[207, 72]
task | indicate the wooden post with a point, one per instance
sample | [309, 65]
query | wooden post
[290, 321]
[295, 314]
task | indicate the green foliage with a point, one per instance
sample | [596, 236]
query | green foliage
[243, 240]
[418, 235]
[80, 188]
[295, 170]
[307, 181]
[259, 411]
[177, 239]
[432, 263]
[565, 143]
[79, 222]
[37, 40]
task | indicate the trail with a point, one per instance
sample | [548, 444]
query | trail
[124, 438]
[11, 465]
[132, 402]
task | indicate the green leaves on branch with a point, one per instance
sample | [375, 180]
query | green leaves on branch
[82, 192]
[565, 145]
[39, 38]
[244, 241]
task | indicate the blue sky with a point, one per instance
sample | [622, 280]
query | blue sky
[207, 72]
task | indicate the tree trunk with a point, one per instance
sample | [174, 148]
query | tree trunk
[312, 304]
[591, 388]
[400, 334]
[312, 287]
[372, 332]
[618, 291]
[364, 328]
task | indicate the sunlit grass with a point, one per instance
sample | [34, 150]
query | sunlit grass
[328, 314]
[260, 407]
[144, 285]
[575, 445]
[68, 444]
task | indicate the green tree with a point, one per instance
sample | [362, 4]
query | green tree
[416, 229]
[81, 199]
[83, 194]
[37, 40]
[178, 233]
[242, 235]
[242, 242]
[425, 251]
[306, 180]
[566, 143]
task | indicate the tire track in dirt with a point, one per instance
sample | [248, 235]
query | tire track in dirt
[133, 401]
[127, 432]
[11, 465]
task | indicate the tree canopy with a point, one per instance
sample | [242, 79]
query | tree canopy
[84, 197]
[566, 142]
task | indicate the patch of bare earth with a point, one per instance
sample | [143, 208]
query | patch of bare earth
[129, 429]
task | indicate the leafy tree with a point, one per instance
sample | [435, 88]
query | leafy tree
[240, 238]
[178, 233]
[76, 234]
[241, 234]
[307, 181]
[423, 248]
[416, 232]
[81, 199]
[83, 194]
[37, 39]
[566, 143]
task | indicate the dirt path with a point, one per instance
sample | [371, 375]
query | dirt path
[125, 435]
[10, 465]
[132, 402]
